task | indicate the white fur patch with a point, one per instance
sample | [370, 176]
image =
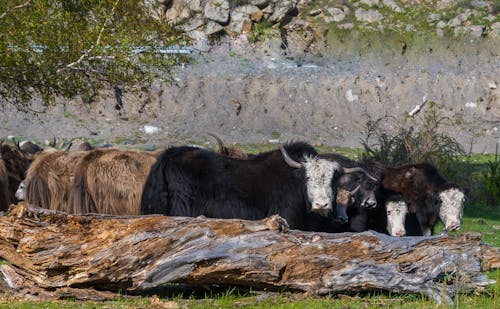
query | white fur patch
[20, 191]
[319, 175]
[396, 217]
[452, 208]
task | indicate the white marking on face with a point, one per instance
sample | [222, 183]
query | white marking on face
[452, 208]
[319, 175]
[20, 191]
[396, 217]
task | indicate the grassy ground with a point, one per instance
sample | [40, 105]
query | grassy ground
[480, 218]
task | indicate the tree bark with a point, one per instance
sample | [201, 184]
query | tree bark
[57, 254]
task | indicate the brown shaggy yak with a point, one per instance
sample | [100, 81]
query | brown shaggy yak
[49, 179]
[110, 181]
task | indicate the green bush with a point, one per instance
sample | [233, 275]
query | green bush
[492, 179]
[418, 140]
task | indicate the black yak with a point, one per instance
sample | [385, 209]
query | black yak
[292, 181]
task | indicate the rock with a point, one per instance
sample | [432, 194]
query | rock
[350, 96]
[370, 16]
[391, 4]
[212, 27]
[370, 3]
[154, 8]
[346, 26]
[242, 17]
[178, 12]
[492, 85]
[281, 10]
[441, 24]
[433, 17]
[217, 10]
[193, 24]
[149, 129]
[476, 31]
[194, 5]
[459, 19]
[444, 4]
[315, 12]
[481, 4]
[259, 3]
[495, 29]
[337, 14]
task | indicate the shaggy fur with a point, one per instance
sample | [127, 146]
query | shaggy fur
[49, 178]
[421, 186]
[110, 181]
[13, 166]
[189, 181]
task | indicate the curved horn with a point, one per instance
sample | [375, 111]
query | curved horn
[355, 190]
[53, 143]
[349, 170]
[219, 141]
[289, 160]
[68, 147]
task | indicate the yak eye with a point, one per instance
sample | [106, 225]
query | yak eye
[388, 212]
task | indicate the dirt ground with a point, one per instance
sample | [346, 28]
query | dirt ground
[257, 94]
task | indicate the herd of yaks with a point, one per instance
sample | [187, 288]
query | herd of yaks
[312, 191]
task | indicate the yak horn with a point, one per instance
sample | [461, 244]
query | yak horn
[349, 170]
[355, 190]
[68, 147]
[289, 160]
[219, 141]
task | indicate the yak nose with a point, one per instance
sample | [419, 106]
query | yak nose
[454, 227]
[370, 204]
[400, 233]
[320, 205]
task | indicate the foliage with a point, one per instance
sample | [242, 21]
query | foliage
[418, 140]
[68, 48]
[492, 179]
[261, 31]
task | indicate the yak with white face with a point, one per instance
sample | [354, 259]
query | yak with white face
[189, 181]
[20, 191]
[319, 177]
[452, 208]
[428, 195]
[396, 211]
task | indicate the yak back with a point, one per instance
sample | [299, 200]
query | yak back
[110, 181]
[189, 181]
[49, 178]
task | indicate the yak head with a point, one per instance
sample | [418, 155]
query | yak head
[321, 176]
[396, 211]
[452, 207]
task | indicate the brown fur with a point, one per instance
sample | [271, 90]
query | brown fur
[49, 179]
[4, 188]
[110, 181]
[13, 166]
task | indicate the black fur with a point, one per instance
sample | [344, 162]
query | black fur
[189, 181]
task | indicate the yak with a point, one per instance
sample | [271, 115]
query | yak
[428, 195]
[13, 165]
[49, 178]
[110, 181]
[291, 181]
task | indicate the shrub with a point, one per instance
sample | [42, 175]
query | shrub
[417, 140]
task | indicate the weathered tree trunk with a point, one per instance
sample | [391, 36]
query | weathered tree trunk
[57, 254]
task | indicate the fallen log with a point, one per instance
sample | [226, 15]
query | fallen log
[53, 253]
